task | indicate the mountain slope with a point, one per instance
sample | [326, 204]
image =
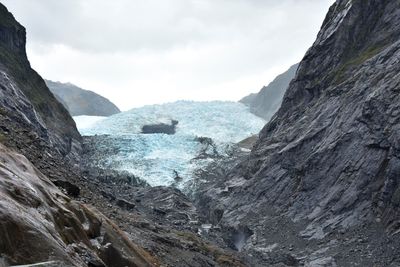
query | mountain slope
[38, 223]
[82, 102]
[266, 102]
[327, 166]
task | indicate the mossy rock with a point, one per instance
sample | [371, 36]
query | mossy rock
[6, 18]
[3, 138]
[362, 57]
[396, 197]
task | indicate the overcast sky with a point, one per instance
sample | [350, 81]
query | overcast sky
[138, 52]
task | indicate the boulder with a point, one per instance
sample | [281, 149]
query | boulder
[160, 128]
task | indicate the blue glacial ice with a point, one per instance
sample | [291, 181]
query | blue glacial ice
[84, 122]
[157, 158]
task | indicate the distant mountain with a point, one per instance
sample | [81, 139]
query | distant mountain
[82, 102]
[265, 103]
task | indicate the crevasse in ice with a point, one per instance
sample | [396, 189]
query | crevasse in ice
[157, 158]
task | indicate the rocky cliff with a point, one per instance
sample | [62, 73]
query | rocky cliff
[322, 182]
[38, 222]
[266, 102]
[82, 102]
[26, 102]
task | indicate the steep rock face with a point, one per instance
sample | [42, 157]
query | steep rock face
[82, 102]
[26, 102]
[266, 102]
[329, 159]
[336, 131]
[33, 211]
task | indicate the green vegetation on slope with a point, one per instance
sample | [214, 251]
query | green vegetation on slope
[365, 55]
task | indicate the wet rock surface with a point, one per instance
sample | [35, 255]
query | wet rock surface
[66, 230]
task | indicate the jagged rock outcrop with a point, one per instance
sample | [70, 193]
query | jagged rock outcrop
[322, 181]
[266, 102]
[38, 223]
[26, 104]
[82, 102]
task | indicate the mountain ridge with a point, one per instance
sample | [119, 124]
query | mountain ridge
[79, 101]
[268, 100]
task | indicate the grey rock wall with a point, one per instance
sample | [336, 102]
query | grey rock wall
[323, 178]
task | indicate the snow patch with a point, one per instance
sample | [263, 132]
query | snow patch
[84, 122]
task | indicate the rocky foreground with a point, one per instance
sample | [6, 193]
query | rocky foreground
[320, 186]
[39, 223]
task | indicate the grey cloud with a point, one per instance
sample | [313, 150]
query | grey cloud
[197, 49]
[126, 25]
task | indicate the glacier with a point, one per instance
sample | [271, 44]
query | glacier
[84, 122]
[160, 159]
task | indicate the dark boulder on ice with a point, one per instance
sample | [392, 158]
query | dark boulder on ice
[162, 128]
